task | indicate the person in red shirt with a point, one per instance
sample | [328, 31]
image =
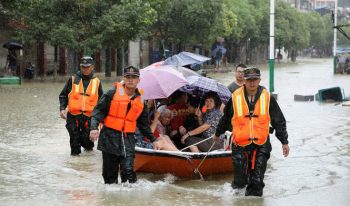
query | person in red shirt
[180, 113]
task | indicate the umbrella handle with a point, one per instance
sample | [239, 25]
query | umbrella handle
[200, 101]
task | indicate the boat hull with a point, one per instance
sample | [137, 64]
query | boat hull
[182, 164]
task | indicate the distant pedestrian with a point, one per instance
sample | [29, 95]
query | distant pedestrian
[279, 56]
[11, 62]
[212, 50]
[218, 56]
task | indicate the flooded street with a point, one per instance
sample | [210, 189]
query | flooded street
[36, 167]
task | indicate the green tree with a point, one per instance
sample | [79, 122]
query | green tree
[11, 12]
[283, 28]
[187, 22]
[85, 26]
[246, 24]
[292, 31]
[320, 29]
[126, 21]
[260, 40]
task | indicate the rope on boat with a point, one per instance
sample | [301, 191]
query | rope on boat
[196, 143]
[196, 171]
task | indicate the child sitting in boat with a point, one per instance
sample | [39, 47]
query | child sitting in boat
[199, 139]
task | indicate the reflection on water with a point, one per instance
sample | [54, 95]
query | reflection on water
[36, 168]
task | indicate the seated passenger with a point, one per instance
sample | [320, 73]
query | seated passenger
[180, 112]
[191, 121]
[208, 123]
[162, 130]
[163, 141]
[140, 141]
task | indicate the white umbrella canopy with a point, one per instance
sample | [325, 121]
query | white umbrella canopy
[186, 58]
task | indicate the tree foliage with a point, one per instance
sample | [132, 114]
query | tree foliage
[246, 23]
[318, 31]
[86, 25]
[89, 25]
[192, 21]
[292, 29]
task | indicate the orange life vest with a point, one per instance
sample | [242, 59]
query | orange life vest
[119, 117]
[250, 128]
[80, 102]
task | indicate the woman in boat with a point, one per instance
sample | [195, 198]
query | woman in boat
[162, 129]
[159, 123]
[208, 123]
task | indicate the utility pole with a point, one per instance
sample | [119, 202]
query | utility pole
[335, 37]
[272, 44]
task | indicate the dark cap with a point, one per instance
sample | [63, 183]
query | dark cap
[132, 71]
[86, 61]
[252, 73]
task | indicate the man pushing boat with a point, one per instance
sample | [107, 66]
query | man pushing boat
[121, 110]
[251, 110]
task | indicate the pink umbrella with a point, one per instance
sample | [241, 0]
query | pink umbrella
[183, 70]
[160, 82]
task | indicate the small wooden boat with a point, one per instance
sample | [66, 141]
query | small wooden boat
[183, 164]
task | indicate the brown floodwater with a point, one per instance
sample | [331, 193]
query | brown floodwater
[36, 167]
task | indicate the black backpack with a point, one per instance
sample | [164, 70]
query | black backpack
[218, 54]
